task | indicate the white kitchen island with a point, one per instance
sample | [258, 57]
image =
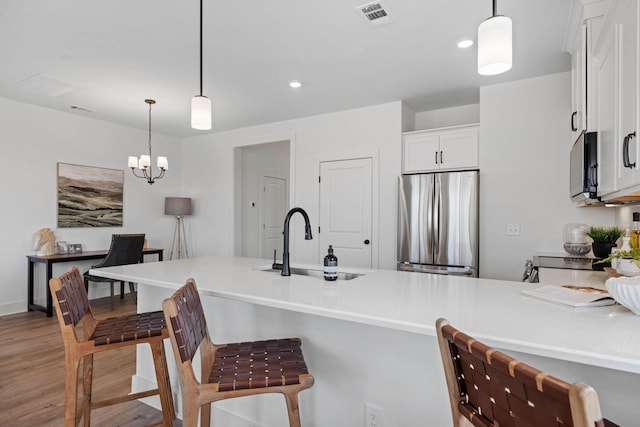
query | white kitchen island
[372, 339]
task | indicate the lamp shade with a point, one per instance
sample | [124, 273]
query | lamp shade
[177, 206]
[201, 112]
[494, 46]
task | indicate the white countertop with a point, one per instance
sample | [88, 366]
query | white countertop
[490, 310]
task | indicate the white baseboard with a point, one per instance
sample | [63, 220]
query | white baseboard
[13, 307]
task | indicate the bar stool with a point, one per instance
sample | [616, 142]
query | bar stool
[487, 388]
[84, 335]
[229, 370]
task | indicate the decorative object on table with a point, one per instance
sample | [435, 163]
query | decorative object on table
[178, 207]
[634, 233]
[626, 291]
[200, 104]
[604, 239]
[144, 162]
[89, 196]
[61, 247]
[576, 241]
[627, 262]
[495, 50]
[45, 242]
[74, 248]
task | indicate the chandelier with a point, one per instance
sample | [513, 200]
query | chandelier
[144, 162]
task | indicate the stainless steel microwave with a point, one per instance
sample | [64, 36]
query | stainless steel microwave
[583, 172]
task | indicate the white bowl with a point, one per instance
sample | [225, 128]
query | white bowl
[625, 290]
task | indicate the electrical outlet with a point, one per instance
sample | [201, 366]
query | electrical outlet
[373, 416]
[513, 229]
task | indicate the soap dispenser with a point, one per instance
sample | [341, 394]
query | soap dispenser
[330, 265]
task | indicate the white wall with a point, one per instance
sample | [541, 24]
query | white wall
[446, 117]
[372, 131]
[524, 173]
[33, 140]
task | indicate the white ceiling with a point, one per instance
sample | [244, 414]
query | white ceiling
[110, 55]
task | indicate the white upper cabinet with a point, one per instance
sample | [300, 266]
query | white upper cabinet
[583, 29]
[627, 39]
[616, 57]
[451, 148]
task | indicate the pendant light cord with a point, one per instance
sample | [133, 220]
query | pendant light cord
[201, 47]
[150, 130]
[495, 7]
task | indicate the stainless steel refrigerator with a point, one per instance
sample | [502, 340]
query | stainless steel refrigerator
[438, 223]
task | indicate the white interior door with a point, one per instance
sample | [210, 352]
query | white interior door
[274, 205]
[346, 189]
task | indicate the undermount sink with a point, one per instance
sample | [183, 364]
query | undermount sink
[315, 273]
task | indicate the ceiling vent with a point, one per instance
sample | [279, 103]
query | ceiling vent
[44, 85]
[375, 13]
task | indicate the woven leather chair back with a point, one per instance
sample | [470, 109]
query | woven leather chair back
[72, 297]
[190, 326]
[125, 249]
[489, 388]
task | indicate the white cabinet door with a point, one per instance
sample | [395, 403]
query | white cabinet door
[459, 150]
[421, 152]
[627, 36]
[606, 108]
[579, 85]
[440, 149]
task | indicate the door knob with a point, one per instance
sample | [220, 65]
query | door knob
[366, 242]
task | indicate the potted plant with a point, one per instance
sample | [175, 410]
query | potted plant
[604, 238]
[628, 263]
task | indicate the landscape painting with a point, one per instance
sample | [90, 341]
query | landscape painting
[89, 196]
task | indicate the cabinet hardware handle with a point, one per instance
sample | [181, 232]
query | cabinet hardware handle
[436, 157]
[441, 159]
[366, 242]
[573, 123]
[625, 151]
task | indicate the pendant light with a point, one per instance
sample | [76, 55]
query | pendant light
[200, 104]
[494, 45]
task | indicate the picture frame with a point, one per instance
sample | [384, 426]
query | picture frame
[74, 248]
[89, 196]
[61, 247]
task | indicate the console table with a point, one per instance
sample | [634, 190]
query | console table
[49, 260]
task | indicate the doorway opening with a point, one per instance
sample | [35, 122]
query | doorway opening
[262, 197]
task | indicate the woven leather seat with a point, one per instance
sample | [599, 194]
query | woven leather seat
[231, 370]
[84, 335]
[487, 388]
[124, 249]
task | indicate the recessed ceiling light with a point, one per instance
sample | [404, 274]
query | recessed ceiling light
[295, 84]
[463, 44]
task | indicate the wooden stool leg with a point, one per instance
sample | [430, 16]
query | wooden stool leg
[87, 383]
[164, 384]
[293, 408]
[71, 392]
[189, 411]
[205, 414]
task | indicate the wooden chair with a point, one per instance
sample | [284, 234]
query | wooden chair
[229, 370]
[487, 388]
[124, 249]
[84, 335]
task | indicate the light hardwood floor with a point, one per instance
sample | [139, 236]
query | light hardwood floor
[32, 373]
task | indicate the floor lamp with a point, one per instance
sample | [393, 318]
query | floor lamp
[178, 207]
